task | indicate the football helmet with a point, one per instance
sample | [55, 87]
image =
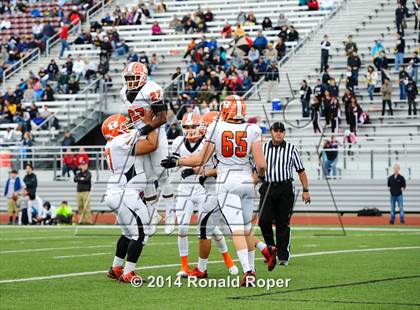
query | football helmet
[135, 75]
[115, 125]
[233, 108]
[191, 125]
[207, 119]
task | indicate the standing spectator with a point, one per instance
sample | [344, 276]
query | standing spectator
[335, 114]
[305, 97]
[349, 139]
[376, 53]
[69, 164]
[329, 155]
[316, 114]
[84, 184]
[26, 147]
[401, 13]
[30, 180]
[371, 78]
[68, 139]
[386, 91]
[383, 67]
[325, 51]
[281, 49]
[396, 185]
[350, 46]
[318, 91]
[399, 49]
[355, 112]
[326, 103]
[12, 190]
[37, 30]
[414, 63]
[411, 95]
[270, 53]
[64, 213]
[260, 42]
[355, 63]
[403, 81]
[273, 78]
[64, 35]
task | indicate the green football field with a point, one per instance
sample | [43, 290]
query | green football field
[54, 268]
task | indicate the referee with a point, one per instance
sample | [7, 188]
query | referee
[277, 193]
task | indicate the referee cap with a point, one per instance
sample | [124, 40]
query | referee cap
[278, 125]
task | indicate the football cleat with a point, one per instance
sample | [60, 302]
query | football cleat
[127, 278]
[270, 256]
[283, 262]
[170, 223]
[233, 270]
[115, 272]
[248, 279]
[182, 273]
[197, 273]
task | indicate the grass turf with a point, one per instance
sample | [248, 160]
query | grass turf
[384, 279]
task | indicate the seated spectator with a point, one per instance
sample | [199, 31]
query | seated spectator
[62, 85]
[270, 53]
[246, 80]
[52, 70]
[143, 58]
[241, 18]
[266, 23]
[160, 7]
[73, 85]
[293, 35]
[91, 69]
[79, 67]
[108, 20]
[253, 54]
[156, 30]
[49, 93]
[313, 5]
[64, 213]
[239, 32]
[132, 56]
[37, 29]
[5, 24]
[280, 48]
[154, 62]
[251, 20]
[121, 48]
[82, 156]
[350, 46]
[173, 132]
[260, 42]
[68, 139]
[176, 24]
[227, 31]
[208, 16]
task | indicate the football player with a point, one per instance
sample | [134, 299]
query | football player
[141, 94]
[191, 194]
[123, 193]
[234, 142]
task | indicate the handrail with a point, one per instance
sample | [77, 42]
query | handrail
[49, 43]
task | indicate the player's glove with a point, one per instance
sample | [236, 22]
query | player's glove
[202, 179]
[187, 172]
[170, 162]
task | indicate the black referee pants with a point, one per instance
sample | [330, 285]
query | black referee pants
[276, 204]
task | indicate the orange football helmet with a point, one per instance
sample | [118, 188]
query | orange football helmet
[233, 108]
[115, 125]
[207, 119]
[135, 75]
[191, 125]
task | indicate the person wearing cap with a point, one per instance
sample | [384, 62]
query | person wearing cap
[83, 179]
[277, 192]
[11, 191]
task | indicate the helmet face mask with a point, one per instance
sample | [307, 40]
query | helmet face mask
[191, 126]
[135, 75]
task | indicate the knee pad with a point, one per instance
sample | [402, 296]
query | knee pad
[183, 230]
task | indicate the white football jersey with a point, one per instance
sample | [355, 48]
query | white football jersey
[150, 93]
[233, 144]
[119, 153]
[184, 148]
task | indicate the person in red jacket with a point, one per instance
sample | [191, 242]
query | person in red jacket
[313, 5]
[64, 35]
[82, 156]
[69, 163]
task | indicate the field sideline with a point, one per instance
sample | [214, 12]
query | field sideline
[369, 268]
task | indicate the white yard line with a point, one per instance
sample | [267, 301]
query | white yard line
[81, 255]
[77, 274]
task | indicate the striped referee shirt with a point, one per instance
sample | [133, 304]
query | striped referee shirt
[280, 161]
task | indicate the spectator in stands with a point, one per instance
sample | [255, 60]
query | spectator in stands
[272, 77]
[350, 46]
[52, 70]
[335, 114]
[160, 7]
[318, 91]
[48, 215]
[383, 66]
[239, 31]
[208, 16]
[260, 42]
[270, 53]
[355, 63]
[91, 69]
[121, 48]
[253, 54]
[82, 156]
[396, 185]
[293, 35]
[132, 56]
[226, 31]
[176, 24]
[280, 48]
[30, 179]
[399, 50]
[64, 35]
[37, 29]
[414, 63]
[251, 20]
[62, 85]
[329, 159]
[64, 213]
[247, 80]
[174, 131]
[376, 53]
[156, 30]
[108, 20]
[326, 103]
[386, 91]
[12, 189]
[403, 81]
[316, 114]
[73, 85]
[303, 2]
[26, 146]
[313, 5]
[69, 164]
[349, 139]
[305, 97]
[48, 31]
[267, 24]
[411, 89]
[282, 20]
[350, 81]
[106, 48]
[241, 18]
[84, 184]
[371, 78]
[401, 13]
[79, 67]
[68, 139]
[325, 51]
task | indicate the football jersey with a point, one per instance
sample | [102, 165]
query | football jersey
[233, 144]
[119, 153]
[149, 93]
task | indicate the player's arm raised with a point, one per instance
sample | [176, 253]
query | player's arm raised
[149, 144]
[159, 109]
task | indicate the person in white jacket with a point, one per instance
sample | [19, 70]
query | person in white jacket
[371, 78]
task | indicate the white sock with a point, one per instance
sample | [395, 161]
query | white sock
[261, 245]
[152, 206]
[169, 203]
[183, 246]
[251, 258]
[202, 264]
[118, 262]
[129, 267]
[221, 243]
[243, 258]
